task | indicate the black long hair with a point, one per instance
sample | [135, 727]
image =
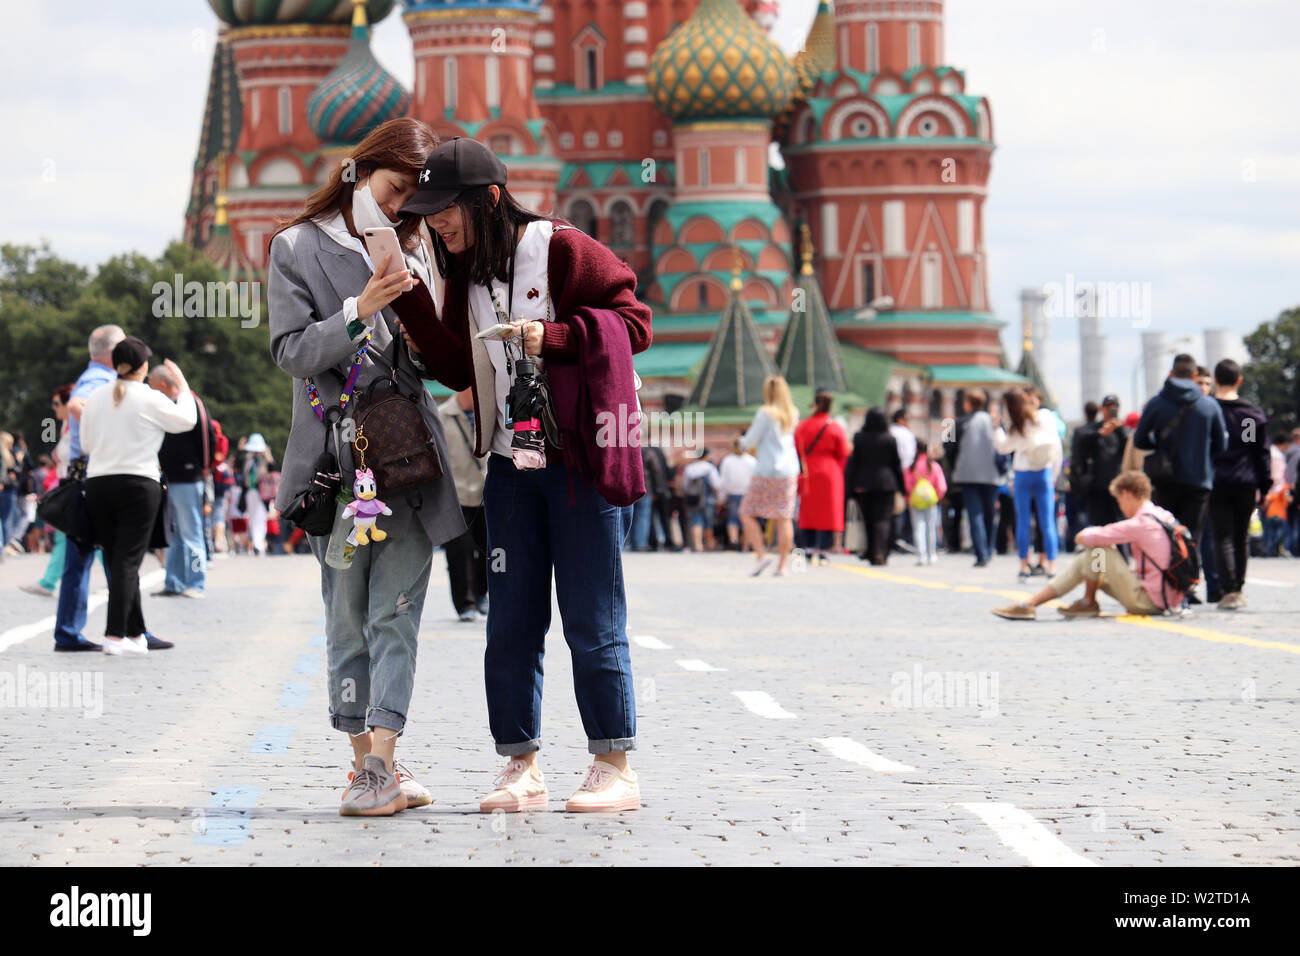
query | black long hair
[493, 228]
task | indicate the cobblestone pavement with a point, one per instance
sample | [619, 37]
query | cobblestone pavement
[843, 714]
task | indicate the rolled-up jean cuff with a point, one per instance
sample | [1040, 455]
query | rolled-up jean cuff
[516, 750]
[387, 719]
[353, 725]
[611, 746]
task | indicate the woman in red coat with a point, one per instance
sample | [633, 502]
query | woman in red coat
[824, 449]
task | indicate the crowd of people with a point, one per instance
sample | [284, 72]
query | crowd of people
[158, 477]
[530, 502]
[1010, 478]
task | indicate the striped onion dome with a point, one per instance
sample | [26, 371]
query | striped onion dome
[358, 95]
[720, 64]
[243, 13]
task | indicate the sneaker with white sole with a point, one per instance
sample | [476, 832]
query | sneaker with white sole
[518, 787]
[415, 793]
[126, 646]
[373, 792]
[606, 789]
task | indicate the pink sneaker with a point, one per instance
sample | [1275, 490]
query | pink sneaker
[518, 787]
[606, 790]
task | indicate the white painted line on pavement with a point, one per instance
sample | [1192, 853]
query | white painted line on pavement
[1269, 582]
[762, 704]
[1025, 835]
[854, 752]
[696, 665]
[25, 632]
[652, 643]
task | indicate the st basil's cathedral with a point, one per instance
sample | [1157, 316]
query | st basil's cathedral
[860, 266]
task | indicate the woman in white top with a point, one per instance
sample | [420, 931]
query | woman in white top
[1037, 452]
[771, 492]
[122, 429]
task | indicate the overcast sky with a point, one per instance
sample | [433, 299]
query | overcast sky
[1154, 142]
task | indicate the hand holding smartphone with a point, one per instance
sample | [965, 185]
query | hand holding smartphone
[498, 331]
[382, 245]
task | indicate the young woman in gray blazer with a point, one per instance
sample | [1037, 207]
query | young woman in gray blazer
[325, 297]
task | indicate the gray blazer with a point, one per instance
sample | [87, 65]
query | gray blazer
[975, 455]
[310, 275]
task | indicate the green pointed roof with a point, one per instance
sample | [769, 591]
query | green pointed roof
[222, 121]
[809, 353]
[737, 361]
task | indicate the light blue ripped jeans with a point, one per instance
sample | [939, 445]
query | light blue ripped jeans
[372, 618]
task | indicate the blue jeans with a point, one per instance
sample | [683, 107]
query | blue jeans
[1275, 534]
[372, 617]
[9, 513]
[532, 530]
[733, 510]
[978, 500]
[1035, 488]
[187, 554]
[74, 590]
[642, 517]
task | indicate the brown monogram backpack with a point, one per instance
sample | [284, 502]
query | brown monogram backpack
[392, 438]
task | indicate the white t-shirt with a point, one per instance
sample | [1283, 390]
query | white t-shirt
[531, 257]
[737, 470]
[905, 438]
[124, 439]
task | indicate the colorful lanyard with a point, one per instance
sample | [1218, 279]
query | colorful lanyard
[313, 394]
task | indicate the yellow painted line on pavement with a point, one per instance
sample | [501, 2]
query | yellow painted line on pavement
[1187, 630]
[1204, 634]
[896, 578]
[967, 588]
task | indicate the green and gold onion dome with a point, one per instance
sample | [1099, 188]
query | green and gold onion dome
[720, 64]
[244, 13]
[358, 95]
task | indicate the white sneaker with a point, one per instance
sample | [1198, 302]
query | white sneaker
[193, 593]
[127, 645]
[518, 787]
[606, 789]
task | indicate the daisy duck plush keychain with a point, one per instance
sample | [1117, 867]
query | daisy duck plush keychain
[366, 507]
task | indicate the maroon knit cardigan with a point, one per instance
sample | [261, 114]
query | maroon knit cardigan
[580, 272]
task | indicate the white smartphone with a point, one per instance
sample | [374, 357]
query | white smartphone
[498, 331]
[382, 244]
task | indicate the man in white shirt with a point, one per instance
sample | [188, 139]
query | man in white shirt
[736, 471]
[905, 438]
[700, 482]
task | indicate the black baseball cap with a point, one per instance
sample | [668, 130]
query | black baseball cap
[1110, 400]
[451, 168]
[131, 351]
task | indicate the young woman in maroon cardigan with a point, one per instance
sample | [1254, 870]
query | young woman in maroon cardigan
[573, 307]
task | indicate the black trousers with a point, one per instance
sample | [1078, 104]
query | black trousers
[122, 512]
[1102, 508]
[1190, 504]
[877, 509]
[1230, 509]
[467, 561]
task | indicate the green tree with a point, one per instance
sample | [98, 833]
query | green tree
[49, 306]
[1273, 375]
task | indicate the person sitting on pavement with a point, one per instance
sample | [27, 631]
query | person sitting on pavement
[1100, 565]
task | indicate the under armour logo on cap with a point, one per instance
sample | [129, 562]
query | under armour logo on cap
[424, 175]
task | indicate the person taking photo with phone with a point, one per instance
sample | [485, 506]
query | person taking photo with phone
[333, 331]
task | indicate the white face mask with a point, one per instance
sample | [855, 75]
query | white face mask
[366, 213]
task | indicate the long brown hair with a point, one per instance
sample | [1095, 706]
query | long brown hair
[401, 144]
[1019, 410]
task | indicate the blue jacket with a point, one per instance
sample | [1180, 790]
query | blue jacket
[1202, 436]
